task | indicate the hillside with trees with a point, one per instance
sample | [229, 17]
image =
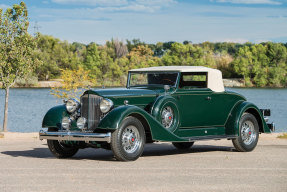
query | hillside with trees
[260, 65]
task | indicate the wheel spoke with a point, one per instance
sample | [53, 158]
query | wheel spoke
[248, 133]
[131, 139]
[167, 117]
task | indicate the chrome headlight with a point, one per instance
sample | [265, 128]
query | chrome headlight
[81, 123]
[66, 122]
[72, 105]
[106, 105]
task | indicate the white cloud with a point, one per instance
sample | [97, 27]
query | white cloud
[93, 2]
[155, 2]
[135, 8]
[261, 40]
[179, 22]
[233, 40]
[114, 2]
[269, 2]
[121, 5]
[4, 6]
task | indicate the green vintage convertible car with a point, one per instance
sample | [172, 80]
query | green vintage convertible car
[178, 104]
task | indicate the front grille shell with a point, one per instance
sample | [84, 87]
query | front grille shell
[90, 109]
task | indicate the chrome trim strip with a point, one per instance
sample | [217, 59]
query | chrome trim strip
[75, 136]
[210, 137]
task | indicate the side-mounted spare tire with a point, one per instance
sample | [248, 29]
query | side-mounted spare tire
[248, 133]
[127, 142]
[165, 110]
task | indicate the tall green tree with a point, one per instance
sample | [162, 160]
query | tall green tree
[243, 64]
[16, 49]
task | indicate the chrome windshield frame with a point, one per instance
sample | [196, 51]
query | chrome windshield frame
[175, 84]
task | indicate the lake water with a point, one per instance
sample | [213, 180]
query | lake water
[27, 107]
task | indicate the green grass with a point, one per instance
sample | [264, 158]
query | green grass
[284, 136]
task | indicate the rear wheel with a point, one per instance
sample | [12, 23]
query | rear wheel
[248, 133]
[128, 140]
[182, 145]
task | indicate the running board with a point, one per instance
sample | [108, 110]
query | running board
[210, 137]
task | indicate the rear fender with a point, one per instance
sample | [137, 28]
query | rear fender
[232, 124]
[112, 121]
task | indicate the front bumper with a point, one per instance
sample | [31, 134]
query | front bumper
[75, 136]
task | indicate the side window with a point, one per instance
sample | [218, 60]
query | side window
[193, 80]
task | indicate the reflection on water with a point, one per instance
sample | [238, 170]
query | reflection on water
[28, 106]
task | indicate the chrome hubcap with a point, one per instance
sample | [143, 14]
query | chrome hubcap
[131, 139]
[248, 133]
[167, 117]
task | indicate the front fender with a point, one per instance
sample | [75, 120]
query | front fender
[113, 121]
[232, 124]
[54, 116]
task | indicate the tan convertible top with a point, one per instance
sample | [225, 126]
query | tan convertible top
[214, 81]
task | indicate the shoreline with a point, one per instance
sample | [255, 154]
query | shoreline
[57, 83]
[35, 135]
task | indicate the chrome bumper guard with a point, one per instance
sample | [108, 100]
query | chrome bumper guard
[75, 136]
[271, 126]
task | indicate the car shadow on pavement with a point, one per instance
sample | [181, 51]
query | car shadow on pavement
[35, 153]
[89, 154]
[159, 149]
[164, 149]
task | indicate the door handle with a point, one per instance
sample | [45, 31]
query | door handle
[208, 98]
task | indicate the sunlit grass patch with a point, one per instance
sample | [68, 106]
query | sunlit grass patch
[284, 136]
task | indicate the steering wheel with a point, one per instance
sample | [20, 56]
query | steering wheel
[168, 81]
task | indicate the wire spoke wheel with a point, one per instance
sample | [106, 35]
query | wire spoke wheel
[131, 139]
[167, 117]
[127, 142]
[248, 133]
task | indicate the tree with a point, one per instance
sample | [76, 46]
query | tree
[92, 59]
[243, 64]
[56, 55]
[16, 49]
[142, 56]
[72, 81]
[180, 54]
[134, 43]
[116, 49]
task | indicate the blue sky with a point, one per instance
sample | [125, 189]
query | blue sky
[159, 20]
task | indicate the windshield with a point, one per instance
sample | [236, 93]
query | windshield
[152, 79]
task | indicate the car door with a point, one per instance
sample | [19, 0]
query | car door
[194, 99]
[198, 105]
[194, 107]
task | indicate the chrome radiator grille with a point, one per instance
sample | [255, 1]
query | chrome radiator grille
[90, 109]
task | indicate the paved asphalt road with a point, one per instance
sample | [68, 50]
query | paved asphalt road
[26, 164]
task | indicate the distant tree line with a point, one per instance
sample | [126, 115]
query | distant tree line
[260, 65]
